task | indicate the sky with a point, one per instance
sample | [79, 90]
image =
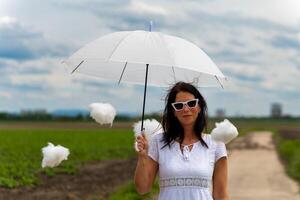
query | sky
[256, 44]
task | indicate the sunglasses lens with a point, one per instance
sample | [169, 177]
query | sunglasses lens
[192, 103]
[178, 106]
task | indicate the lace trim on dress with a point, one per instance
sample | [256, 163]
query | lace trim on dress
[173, 182]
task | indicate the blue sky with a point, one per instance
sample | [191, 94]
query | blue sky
[256, 44]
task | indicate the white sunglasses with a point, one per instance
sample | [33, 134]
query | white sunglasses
[178, 106]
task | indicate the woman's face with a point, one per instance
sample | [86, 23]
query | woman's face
[187, 116]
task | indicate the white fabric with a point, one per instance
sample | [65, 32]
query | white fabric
[172, 164]
[170, 59]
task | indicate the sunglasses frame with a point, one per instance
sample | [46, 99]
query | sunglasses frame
[185, 103]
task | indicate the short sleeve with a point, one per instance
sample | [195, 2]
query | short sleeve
[153, 149]
[220, 151]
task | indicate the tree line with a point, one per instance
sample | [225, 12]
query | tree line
[4, 116]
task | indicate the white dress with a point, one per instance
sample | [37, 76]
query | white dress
[188, 174]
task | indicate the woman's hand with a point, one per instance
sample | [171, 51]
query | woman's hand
[146, 168]
[142, 145]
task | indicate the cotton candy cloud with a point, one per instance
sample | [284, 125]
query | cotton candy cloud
[54, 155]
[103, 113]
[151, 126]
[224, 132]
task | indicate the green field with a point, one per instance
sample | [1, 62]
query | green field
[20, 151]
[20, 148]
[288, 146]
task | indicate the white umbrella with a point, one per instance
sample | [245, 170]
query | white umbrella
[144, 57]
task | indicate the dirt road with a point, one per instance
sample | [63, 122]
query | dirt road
[255, 171]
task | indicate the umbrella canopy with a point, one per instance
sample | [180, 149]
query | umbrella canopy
[144, 57]
[122, 56]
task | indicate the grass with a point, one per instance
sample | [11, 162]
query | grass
[20, 151]
[128, 192]
[289, 151]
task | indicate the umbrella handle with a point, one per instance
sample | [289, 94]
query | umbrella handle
[145, 90]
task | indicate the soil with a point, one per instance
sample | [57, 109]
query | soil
[290, 133]
[255, 171]
[94, 181]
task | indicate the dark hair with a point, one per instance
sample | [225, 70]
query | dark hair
[171, 126]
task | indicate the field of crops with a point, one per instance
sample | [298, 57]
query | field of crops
[21, 143]
[20, 151]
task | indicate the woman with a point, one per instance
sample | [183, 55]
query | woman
[188, 161]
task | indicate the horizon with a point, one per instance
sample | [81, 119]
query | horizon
[85, 112]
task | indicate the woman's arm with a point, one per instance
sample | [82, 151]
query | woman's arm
[145, 174]
[220, 191]
[146, 168]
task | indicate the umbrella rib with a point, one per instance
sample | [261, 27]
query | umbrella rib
[174, 73]
[117, 46]
[219, 82]
[77, 67]
[122, 73]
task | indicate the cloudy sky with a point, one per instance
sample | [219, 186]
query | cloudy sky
[256, 44]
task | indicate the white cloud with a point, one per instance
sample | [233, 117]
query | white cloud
[5, 94]
[280, 11]
[7, 21]
[126, 93]
[146, 8]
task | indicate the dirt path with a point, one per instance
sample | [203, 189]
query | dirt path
[255, 171]
[94, 181]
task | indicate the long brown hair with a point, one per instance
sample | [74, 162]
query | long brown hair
[171, 126]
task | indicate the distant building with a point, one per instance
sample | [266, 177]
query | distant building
[276, 110]
[220, 113]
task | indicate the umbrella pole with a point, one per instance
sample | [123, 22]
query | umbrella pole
[145, 89]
